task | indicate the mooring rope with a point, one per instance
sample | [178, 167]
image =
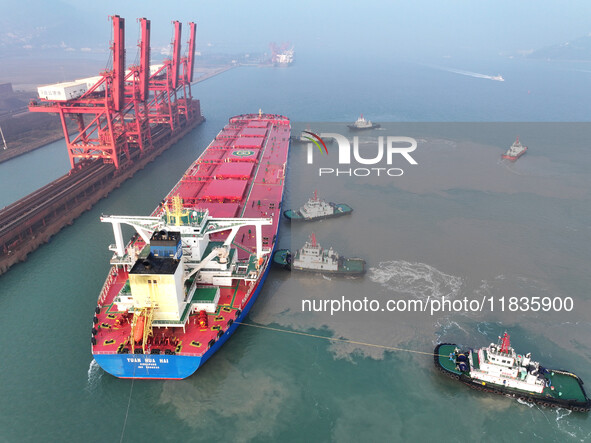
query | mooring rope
[341, 340]
[127, 412]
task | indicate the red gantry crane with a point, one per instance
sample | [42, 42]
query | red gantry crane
[122, 119]
[119, 115]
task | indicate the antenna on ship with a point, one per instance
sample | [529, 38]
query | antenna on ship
[313, 239]
[260, 113]
[315, 194]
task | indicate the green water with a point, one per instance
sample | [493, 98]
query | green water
[460, 223]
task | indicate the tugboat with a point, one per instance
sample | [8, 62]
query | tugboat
[362, 123]
[313, 258]
[497, 368]
[317, 209]
[515, 151]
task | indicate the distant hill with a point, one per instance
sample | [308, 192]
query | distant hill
[578, 49]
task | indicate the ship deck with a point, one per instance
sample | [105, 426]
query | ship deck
[566, 386]
[240, 174]
[446, 360]
[353, 265]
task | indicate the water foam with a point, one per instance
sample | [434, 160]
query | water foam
[417, 279]
[523, 402]
[443, 326]
[94, 375]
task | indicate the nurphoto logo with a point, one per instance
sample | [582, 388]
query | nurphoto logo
[316, 141]
[387, 148]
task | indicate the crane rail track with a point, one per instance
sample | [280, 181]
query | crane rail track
[34, 219]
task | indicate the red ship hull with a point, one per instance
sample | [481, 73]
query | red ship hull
[513, 157]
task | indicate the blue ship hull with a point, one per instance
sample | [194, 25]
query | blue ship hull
[164, 366]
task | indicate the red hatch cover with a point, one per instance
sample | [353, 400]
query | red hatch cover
[224, 190]
[257, 124]
[188, 190]
[220, 144]
[240, 170]
[253, 132]
[227, 133]
[212, 154]
[249, 142]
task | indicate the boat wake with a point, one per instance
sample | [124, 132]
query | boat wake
[571, 428]
[563, 424]
[95, 373]
[417, 279]
[446, 327]
[524, 402]
[497, 78]
[510, 167]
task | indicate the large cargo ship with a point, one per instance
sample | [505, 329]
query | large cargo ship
[181, 286]
[497, 368]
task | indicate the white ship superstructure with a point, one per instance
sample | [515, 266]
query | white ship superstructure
[362, 123]
[316, 208]
[515, 151]
[313, 257]
[499, 364]
[284, 58]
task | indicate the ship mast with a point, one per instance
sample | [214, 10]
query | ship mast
[505, 343]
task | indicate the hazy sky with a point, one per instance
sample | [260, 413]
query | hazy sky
[387, 28]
